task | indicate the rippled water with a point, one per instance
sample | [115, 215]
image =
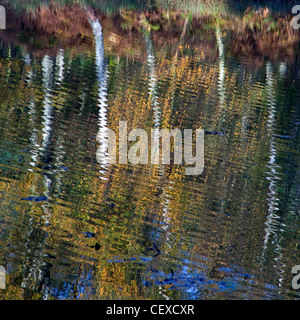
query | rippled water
[74, 229]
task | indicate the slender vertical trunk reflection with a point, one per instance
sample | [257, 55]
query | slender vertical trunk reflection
[153, 88]
[59, 145]
[48, 69]
[47, 65]
[102, 72]
[36, 273]
[174, 64]
[32, 115]
[272, 224]
[157, 113]
[35, 270]
[221, 80]
[60, 64]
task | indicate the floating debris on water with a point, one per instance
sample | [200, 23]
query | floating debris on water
[222, 133]
[97, 246]
[35, 199]
[89, 234]
[64, 168]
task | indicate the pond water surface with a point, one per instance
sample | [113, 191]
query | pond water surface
[71, 228]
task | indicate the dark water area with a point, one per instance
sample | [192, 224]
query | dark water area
[71, 228]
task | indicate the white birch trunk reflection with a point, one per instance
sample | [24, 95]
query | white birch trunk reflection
[153, 91]
[102, 73]
[34, 145]
[59, 144]
[221, 80]
[273, 226]
[157, 113]
[35, 270]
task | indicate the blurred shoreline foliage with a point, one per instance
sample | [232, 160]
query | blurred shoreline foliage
[251, 30]
[198, 7]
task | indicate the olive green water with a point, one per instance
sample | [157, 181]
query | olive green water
[229, 233]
